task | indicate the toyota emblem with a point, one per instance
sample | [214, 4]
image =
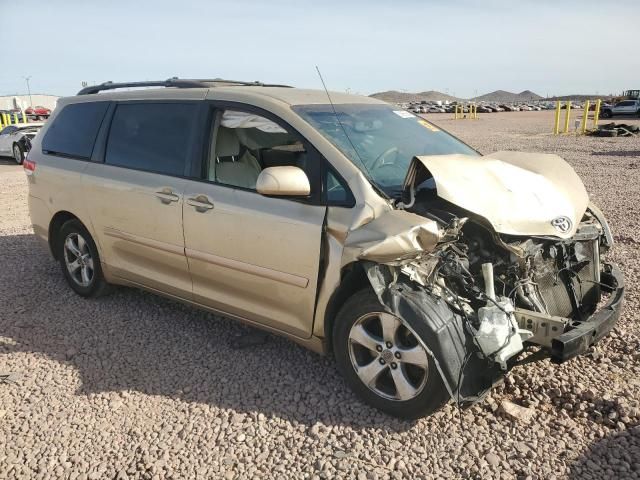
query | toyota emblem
[562, 224]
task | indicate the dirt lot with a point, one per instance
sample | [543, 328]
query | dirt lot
[136, 386]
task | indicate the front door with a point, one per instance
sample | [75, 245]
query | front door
[254, 256]
[135, 196]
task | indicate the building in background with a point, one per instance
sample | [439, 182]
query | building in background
[10, 102]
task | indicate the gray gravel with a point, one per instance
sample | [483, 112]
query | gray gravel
[136, 386]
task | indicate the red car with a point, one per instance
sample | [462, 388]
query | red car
[38, 112]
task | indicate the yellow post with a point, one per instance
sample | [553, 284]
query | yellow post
[556, 124]
[24, 117]
[567, 117]
[15, 118]
[5, 119]
[455, 111]
[585, 116]
[596, 114]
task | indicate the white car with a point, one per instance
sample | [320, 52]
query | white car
[15, 139]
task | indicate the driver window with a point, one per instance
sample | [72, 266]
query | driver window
[244, 144]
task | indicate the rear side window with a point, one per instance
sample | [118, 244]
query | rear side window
[74, 130]
[151, 136]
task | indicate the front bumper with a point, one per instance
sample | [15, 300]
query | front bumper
[578, 340]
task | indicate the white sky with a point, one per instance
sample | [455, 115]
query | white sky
[461, 46]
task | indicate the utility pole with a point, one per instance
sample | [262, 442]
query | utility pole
[29, 90]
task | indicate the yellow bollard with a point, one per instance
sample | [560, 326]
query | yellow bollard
[556, 123]
[15, 118]
[596, 114]
[24, 117]
[585, 117]
[567, 117]
[5, 120]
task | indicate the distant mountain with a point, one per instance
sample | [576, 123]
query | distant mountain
[393, 96]
[507, 97]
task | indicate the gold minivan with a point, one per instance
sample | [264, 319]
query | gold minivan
[342, 222]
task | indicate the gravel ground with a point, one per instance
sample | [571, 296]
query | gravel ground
[136, 386]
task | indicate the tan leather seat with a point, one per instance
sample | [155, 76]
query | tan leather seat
[231, 168]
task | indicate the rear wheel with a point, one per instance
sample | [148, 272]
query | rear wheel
[80, 261]
[384, 361]
[607, 114]
[18, 153]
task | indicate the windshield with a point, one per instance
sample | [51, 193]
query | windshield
[381, 140]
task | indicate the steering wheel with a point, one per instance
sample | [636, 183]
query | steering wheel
[380, 159]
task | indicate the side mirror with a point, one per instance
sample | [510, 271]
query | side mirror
[283, 181]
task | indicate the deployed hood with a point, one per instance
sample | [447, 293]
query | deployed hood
[518, 193]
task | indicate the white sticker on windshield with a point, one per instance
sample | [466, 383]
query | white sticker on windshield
[404, 113]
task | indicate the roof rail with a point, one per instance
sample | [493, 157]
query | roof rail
[173, 82]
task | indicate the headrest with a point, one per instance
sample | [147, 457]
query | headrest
[227, 143]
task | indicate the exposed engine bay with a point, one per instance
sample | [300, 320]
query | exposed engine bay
[532, 288]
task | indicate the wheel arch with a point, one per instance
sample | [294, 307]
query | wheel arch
[59, 219]
[353, 278]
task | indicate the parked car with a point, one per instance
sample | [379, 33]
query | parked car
[626, 107]
[15, 140]
[344, 225]
[38, 112]
[11, 111]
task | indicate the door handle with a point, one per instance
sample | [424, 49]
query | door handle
[200, 202]
[166, 196]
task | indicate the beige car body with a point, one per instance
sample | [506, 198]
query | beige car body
[266, 269]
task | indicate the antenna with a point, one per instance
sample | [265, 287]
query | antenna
[346, 134]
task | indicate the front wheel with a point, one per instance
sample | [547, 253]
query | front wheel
[384, 361]
[607, 114]
[18, 153]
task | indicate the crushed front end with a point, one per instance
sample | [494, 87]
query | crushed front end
[494, 283]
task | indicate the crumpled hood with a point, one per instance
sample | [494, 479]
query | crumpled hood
[518, 193]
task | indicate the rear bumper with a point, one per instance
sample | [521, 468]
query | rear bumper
[578, 340]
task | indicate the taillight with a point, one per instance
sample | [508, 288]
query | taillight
[29, 166]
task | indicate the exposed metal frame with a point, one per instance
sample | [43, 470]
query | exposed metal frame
[174, 82]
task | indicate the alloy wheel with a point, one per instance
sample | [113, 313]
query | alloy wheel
[78, 259]
[17, 154]
[387, 356]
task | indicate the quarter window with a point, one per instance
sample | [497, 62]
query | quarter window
[73, 132]
[151, 136]
[338, 194]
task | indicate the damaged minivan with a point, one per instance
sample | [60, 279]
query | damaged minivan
[339, 221]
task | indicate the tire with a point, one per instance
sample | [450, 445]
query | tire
[607, 114]
[429, 392]
[608, 133]
[87, 279]
[18, 153]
